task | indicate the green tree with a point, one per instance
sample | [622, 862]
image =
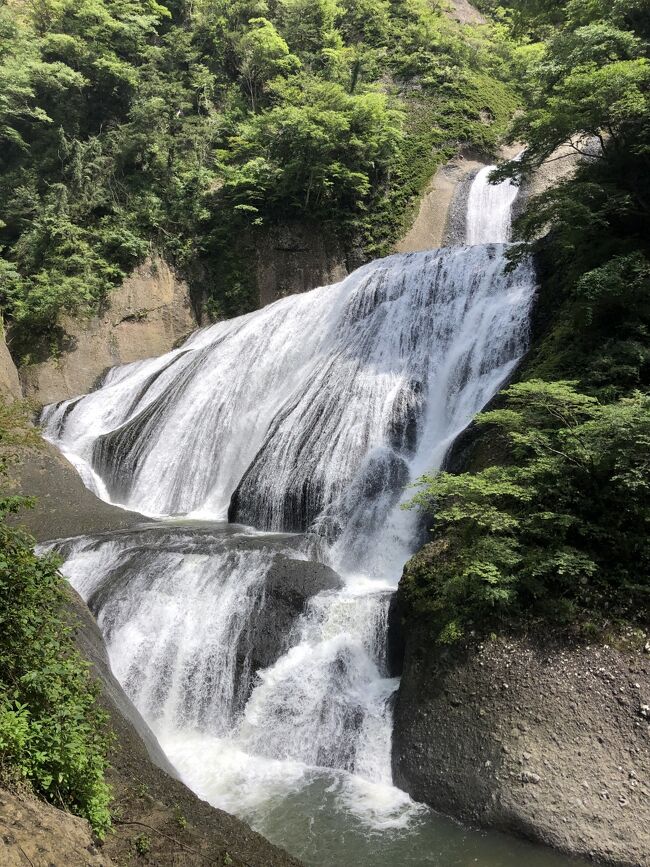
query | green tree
[264, 56]
[317, 151]
[130, 126]
[557, 535]
[309, 28]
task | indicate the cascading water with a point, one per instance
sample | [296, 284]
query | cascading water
[310, 416]
[489, 209]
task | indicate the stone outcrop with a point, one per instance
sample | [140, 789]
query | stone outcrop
[295, 258]
[464, 12]
[64, 505]
[145, 317]
[559, 166]
[10, 389]
[440, 218]
[429, 230]
[288, 587]
[542, 738]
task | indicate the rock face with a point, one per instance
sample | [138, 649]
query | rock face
[146, 316]
[544, 739]
[10, 389]
[441, 216]
[64, 505]
[33, 832]
[288, 587]
[464, 12]
[296, 258]
[430, 227]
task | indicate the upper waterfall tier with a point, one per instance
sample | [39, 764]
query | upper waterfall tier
[320, 407]
[489, 209]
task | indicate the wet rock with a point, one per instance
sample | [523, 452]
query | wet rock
[288, 587]
[395, 639]
[64, 505]
[296, 257]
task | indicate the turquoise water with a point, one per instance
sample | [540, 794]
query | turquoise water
[311, 825]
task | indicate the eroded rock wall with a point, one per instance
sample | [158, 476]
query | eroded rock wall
[295, 258]
[145, 317]
[37, 834]
[10, 389]
[431, 226]
[538, 737]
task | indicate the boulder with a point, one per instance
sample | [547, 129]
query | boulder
[544, 738]
[288, 587]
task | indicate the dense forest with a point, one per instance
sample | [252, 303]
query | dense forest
[553, 524]
[132, 124]
[128, 126]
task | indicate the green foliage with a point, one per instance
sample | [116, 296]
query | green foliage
[558, 535]
[128, 125]
[142, 844]
[264, 56]
[322, 147]
[587, 91]
[52, 733]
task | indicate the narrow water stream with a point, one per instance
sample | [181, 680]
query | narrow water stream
[256, 649]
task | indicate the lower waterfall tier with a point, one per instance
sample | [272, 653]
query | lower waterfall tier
[264, 677]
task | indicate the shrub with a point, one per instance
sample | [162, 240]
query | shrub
[52, 731]
[558, 535]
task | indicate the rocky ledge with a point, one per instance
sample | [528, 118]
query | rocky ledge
[540, 737]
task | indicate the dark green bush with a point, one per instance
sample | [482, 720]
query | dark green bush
[559, 535]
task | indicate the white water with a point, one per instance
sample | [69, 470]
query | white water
[313, 415]
[489, 209]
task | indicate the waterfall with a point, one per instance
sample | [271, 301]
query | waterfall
[306, 421]
[489, 208]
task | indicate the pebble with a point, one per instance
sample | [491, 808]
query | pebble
[529, 777]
